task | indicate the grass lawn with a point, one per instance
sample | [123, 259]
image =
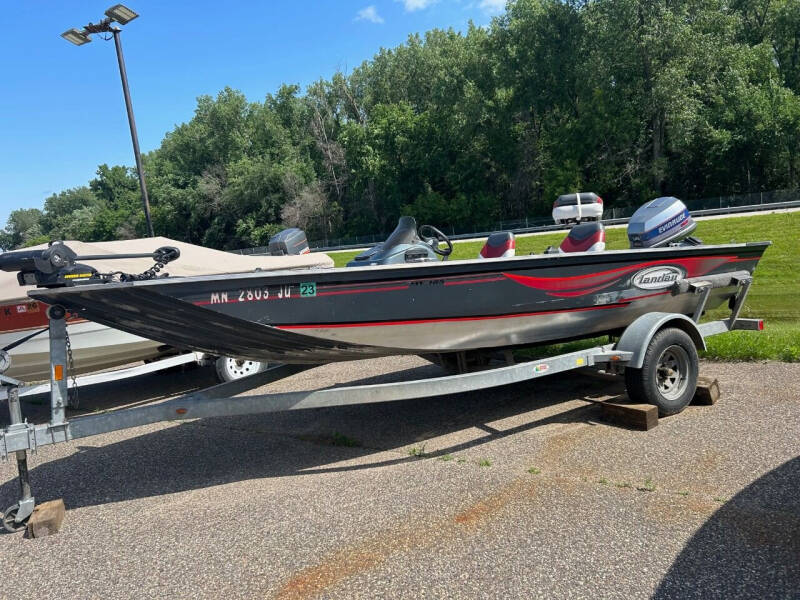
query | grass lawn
[774, 296]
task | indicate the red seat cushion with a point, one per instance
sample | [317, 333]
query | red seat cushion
[498, 245]
[582, 237]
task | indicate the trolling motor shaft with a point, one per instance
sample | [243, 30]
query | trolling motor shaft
[57, 266]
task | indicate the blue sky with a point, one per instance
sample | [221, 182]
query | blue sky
[61, 106]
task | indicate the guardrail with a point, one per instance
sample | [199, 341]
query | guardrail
[612, 220]
[618, 221]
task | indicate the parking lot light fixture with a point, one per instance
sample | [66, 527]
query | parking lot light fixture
[121, 14]
[76, 36]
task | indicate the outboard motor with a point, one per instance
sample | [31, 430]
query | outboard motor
[661, 222]
[499, 245]
[289, 241]
[586, 237]
[578, 207]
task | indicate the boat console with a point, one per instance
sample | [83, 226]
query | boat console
[406, 244]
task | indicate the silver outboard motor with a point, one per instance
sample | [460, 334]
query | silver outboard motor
[662, 222]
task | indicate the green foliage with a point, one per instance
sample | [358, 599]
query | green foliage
[628, 98]
[23, 227]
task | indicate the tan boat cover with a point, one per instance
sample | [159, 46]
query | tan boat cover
[194, 260]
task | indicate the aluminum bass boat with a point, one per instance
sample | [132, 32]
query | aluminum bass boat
[397, 298]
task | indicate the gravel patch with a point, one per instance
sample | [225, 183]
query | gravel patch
[704, 505]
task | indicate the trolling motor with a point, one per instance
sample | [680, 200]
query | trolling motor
[57, 266]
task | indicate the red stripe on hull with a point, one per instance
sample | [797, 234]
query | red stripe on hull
[449, 319]
[364, 291]
[577, 285]
[474, 281]
[563, 287]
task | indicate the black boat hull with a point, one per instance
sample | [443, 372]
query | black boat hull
[315, 316]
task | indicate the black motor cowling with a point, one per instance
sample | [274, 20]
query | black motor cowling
[289, 241]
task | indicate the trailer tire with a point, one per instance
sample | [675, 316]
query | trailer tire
[668, 377]
[231, 369]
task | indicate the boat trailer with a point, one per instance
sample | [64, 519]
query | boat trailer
[21, 437]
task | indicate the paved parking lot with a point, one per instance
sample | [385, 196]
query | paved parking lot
[514, 492]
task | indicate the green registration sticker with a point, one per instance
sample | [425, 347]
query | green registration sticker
[308, 289]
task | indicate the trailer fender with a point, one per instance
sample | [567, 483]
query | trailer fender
[636, 337]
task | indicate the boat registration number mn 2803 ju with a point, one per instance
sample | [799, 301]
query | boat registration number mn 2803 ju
[255, 294]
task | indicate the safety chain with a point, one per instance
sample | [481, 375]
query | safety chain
[72, 392]
[162, 257]
[150, 273]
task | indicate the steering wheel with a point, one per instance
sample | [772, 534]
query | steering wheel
[435, 239]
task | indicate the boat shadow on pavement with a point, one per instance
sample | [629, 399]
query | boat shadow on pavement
[188, 455]
[755, 533]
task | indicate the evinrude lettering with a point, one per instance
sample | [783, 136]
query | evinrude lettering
[673, 221]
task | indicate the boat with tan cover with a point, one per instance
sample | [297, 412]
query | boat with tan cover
[95, 346]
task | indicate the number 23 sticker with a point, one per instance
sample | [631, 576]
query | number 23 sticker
[308, 290]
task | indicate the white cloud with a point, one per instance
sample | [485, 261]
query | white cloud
[369, 13]
[493, 6]
[412, 5]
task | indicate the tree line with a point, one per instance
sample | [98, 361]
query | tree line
[628, 98]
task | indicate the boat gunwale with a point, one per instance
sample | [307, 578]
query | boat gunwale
[392, 271]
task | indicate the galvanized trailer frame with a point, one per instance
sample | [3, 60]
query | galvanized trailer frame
[20, 437]
[82, 381]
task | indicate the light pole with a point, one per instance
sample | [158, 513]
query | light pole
[122, 15]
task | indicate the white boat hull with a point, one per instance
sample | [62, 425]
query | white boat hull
[94, 347]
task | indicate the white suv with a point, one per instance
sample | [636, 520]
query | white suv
[578, 207]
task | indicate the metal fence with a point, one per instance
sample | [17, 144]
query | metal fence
[737, 203]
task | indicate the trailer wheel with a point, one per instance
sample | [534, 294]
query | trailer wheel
[668, 377]
[9, 516]
[230, 369]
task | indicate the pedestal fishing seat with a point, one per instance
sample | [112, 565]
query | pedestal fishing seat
[586, 237]
[499, 245]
